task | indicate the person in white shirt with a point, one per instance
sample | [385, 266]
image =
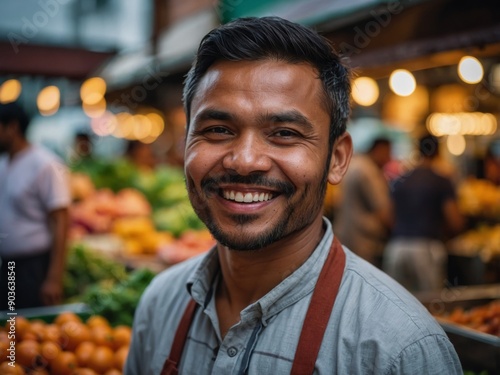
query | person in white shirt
[34, 200]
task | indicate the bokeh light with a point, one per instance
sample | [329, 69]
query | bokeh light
[10, 91]
[48, 100]
[365, 91]
[402, 82]
[470, 70]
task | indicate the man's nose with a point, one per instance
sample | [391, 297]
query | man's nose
[248, 153]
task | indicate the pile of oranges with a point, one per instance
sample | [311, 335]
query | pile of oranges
[68, 346]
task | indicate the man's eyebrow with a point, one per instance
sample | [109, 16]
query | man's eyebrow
[213, 114]
[292, 116]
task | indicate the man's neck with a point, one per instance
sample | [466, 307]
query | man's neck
[248, 276]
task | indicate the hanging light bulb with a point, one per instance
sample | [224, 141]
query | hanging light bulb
[365, 91]
[402, 82]
[48, 100]
[470, 70]
[10, 91]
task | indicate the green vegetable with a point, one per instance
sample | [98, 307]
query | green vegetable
[85, 267]
[117, 301]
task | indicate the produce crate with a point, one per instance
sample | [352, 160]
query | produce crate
[49, 313]
[477, 351]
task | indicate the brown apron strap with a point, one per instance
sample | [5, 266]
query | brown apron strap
[315, 323]
[170, 367]
[319, 311]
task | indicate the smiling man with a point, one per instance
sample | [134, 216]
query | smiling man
[267, 102]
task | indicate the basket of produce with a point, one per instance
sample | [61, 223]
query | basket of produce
[470, 316]
[64, 343]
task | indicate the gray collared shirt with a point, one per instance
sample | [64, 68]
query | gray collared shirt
[376, 326]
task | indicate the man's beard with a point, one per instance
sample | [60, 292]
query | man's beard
[288, 223]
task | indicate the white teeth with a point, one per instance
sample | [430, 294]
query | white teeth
[247, 197]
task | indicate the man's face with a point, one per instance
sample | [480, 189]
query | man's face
[257, 151]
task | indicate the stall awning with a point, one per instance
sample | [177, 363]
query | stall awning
[52, 61]
[335, 13]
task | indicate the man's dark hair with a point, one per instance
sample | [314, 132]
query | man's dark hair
[13, 112]
[252, 39]
[428, 146]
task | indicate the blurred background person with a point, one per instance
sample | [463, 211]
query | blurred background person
[141, 154]
[364, 215]
[34, 200]
[426, 212]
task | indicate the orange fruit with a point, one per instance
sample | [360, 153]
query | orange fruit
[4, 337]
[121, 357]
[4, 350]
[52, 333]
[64, 364]
[97, 320]
[83, 352]
[84, 371]
[28, 353]
[72, 334]
[67, 316]
[113, 371]
[28, 336]
[103, 336]
[101, 359]
[50, 350]
[121, 336]
[37, 328]
[6, 369]
[39, 371]
[22, 326]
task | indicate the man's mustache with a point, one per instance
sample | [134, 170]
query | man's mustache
[258, 180]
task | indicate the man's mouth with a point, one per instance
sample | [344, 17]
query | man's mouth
[246, 197]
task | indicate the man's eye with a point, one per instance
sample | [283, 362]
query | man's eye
[217, 130]
[285, 133]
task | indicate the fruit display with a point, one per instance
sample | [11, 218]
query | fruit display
[144, 209]
[67, 345]
[483, 241]
[484, 318]
[479, 198]
[190, 243]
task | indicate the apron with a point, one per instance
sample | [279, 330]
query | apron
[315, 322]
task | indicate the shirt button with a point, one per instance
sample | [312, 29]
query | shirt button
[232, 351]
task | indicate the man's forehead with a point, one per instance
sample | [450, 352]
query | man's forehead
[280, 72]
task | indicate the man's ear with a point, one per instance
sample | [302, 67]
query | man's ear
[341, 157]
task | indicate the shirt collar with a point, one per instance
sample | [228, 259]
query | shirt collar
[294, 287]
